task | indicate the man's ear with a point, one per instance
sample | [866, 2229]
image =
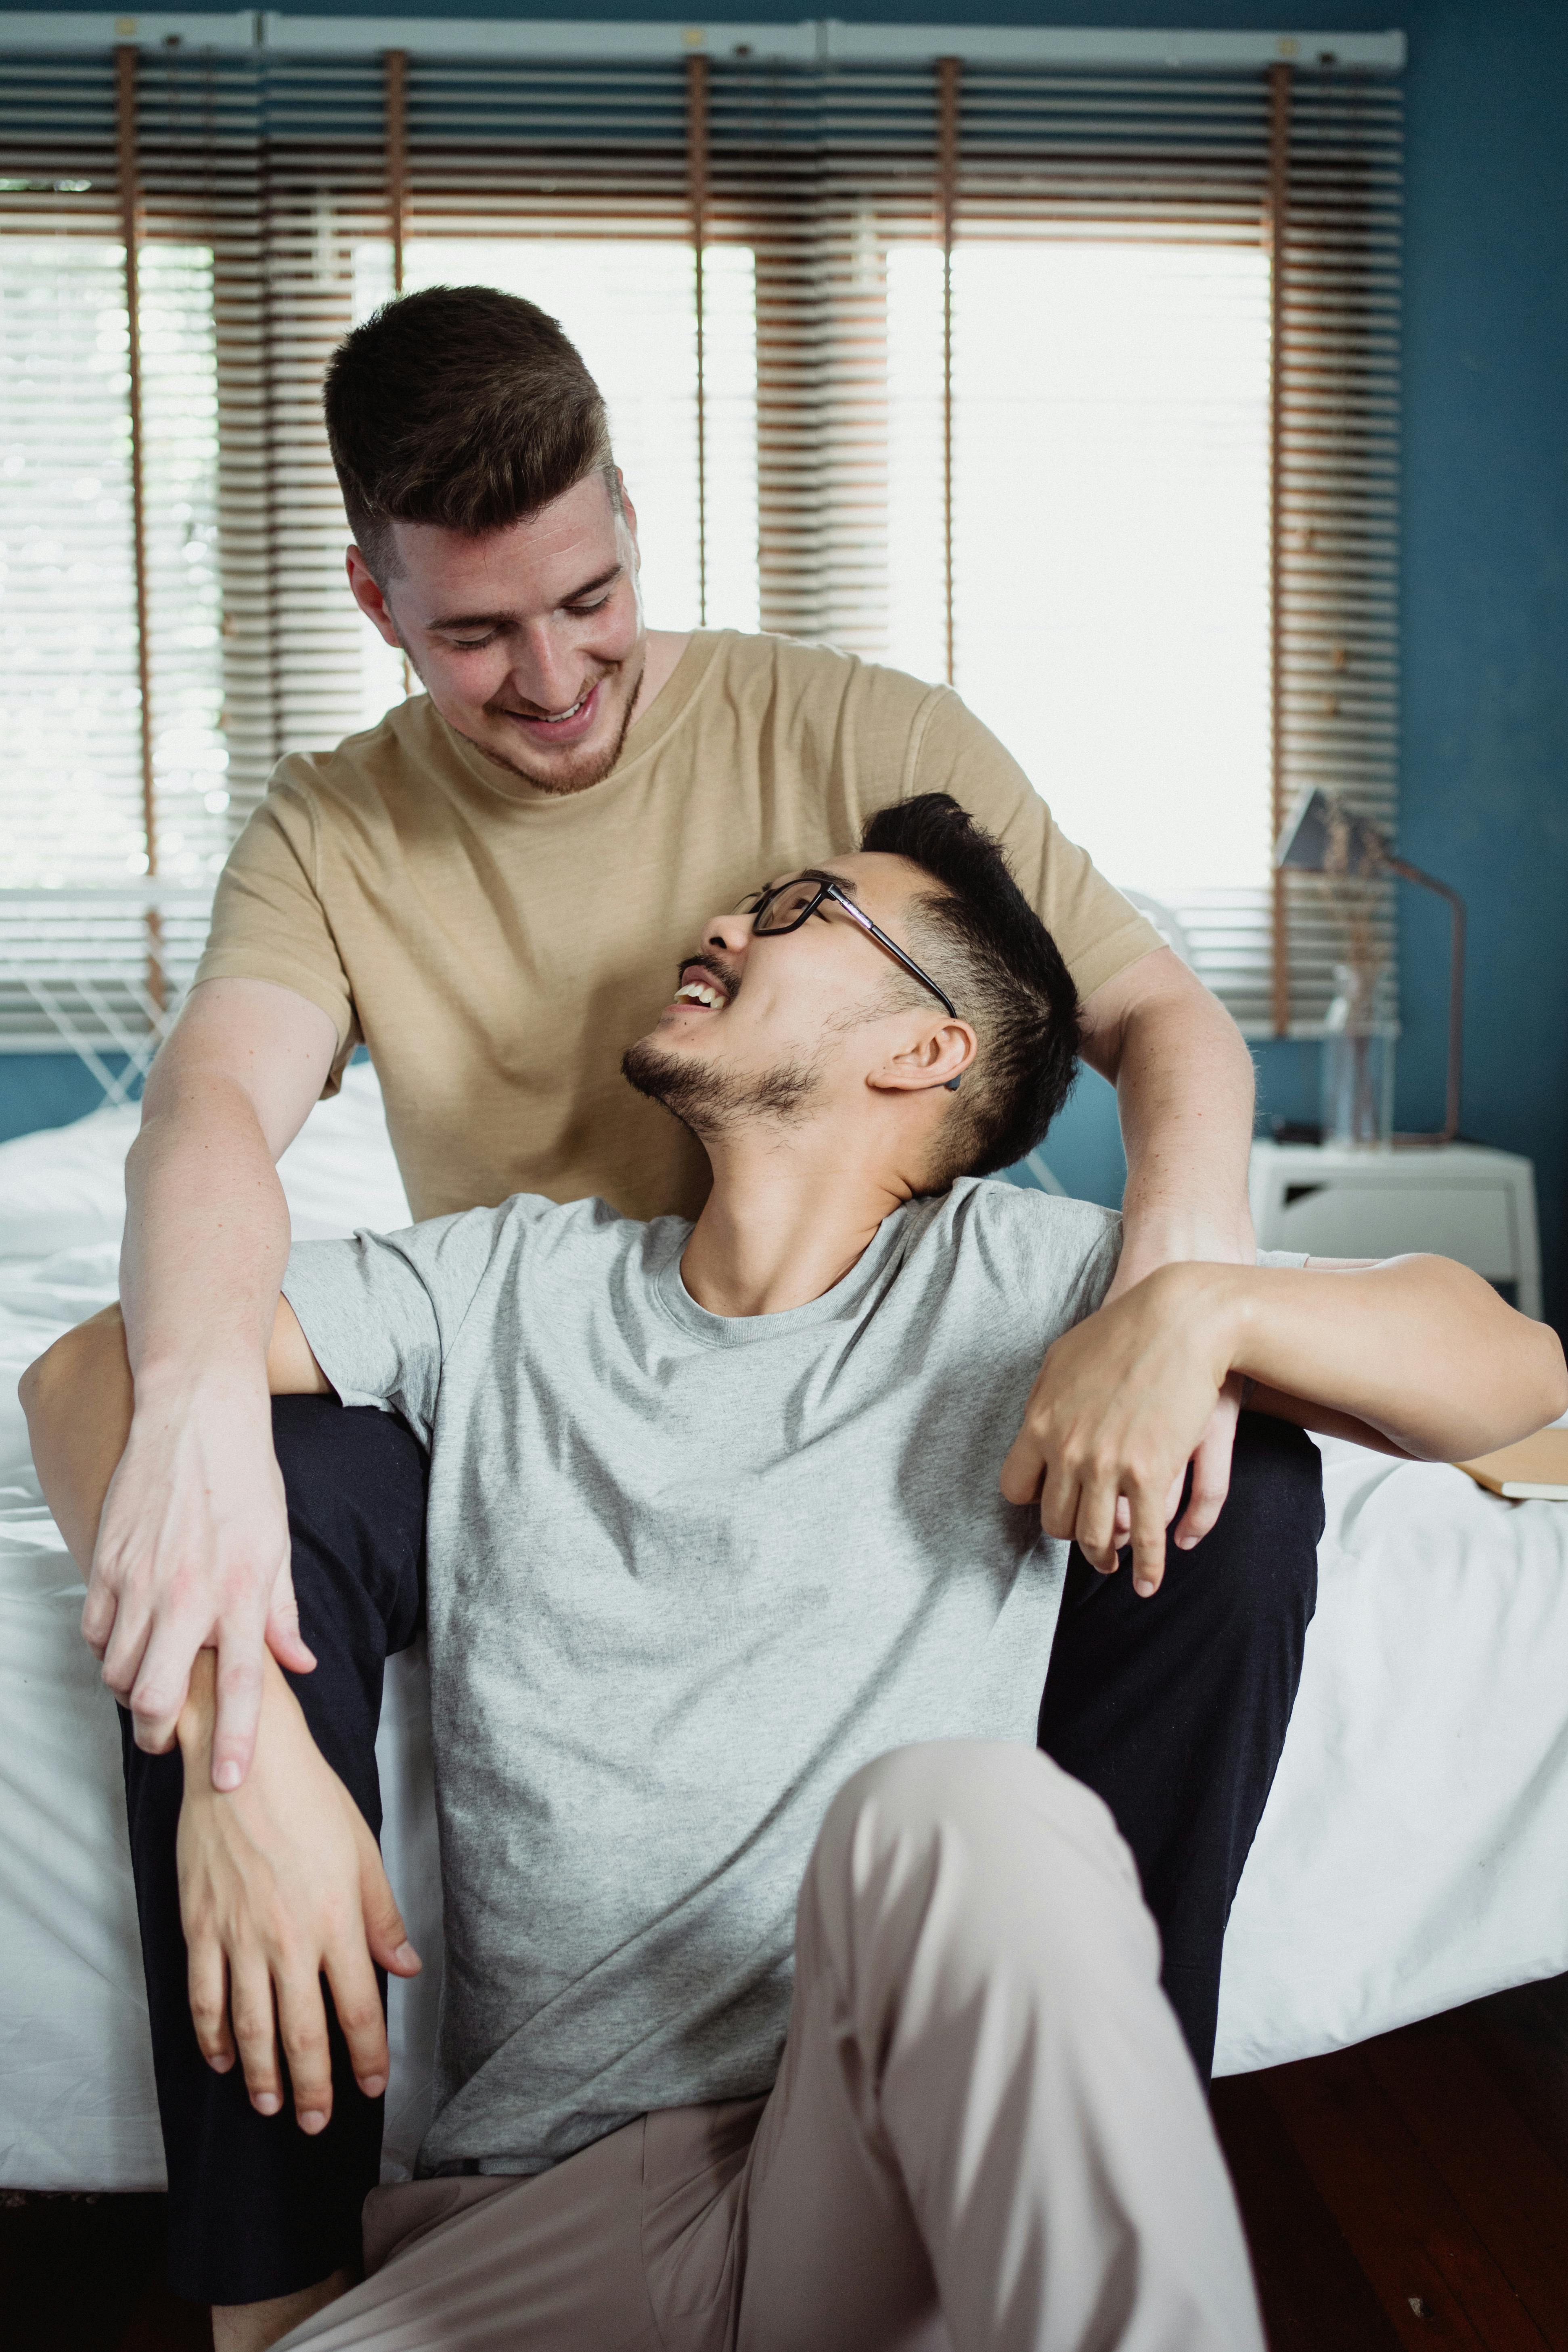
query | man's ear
[935, 1057]
[368, 596]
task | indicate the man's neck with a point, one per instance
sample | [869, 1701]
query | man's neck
[662, 649]
[788, 1216]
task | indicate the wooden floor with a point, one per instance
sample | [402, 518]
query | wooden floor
[1412, 2192]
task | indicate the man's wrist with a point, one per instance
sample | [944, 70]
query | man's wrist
[235, 1377]
[1152, 1238]
[193, 1730]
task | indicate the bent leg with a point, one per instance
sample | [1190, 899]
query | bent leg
[1175, 1710]
[986, 2132]
[256, 2209]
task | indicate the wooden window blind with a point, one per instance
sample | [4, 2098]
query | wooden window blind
[864, 295]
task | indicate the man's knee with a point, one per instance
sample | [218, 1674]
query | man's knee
[354, 1479]
[999, 1805]
[337, 1459]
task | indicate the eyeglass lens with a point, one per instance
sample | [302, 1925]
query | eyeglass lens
[786, 906]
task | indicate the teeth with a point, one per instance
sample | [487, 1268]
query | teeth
[698, 994]
[557, 718]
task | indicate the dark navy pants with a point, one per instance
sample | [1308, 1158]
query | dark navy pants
[1175, 1710]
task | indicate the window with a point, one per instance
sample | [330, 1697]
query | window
[1110, 535]
[1065, 368]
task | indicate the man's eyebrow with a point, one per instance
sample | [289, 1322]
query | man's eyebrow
[497, 620]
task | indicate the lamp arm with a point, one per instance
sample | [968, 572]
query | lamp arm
[1456, 986]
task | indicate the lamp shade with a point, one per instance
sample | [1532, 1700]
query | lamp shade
[1320, 838]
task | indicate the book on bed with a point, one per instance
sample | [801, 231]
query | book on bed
[1533, 1471]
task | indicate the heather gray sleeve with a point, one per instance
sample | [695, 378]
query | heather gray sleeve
[381, 1311]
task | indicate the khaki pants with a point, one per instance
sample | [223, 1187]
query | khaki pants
[985, 2131]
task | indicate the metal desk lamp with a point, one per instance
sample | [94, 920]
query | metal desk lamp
[1322, 836]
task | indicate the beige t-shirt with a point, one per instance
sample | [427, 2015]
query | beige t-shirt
[498, 948]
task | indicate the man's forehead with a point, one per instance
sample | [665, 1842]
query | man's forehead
[874, 878]
[530, 564]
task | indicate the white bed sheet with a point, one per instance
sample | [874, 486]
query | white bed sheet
[1411, 1856]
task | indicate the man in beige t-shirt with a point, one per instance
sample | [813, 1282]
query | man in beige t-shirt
[492, 889]
[494, 942]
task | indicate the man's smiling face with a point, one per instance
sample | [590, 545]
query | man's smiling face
[529, 640]
[776, 1026]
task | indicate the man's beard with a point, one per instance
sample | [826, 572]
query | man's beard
[710, 1101]
[564, 785]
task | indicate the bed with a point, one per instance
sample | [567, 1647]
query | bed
[1410, 1858]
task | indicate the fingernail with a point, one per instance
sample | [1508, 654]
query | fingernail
[312, 2120]
[372, 2085]
[266, 2103]
[1144, 1587]
[226, 1776]
[1185, 1543]
[220, 2065]
[406, 1956]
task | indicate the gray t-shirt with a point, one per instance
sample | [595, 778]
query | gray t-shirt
[686, 1574]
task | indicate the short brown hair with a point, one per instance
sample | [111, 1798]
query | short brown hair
[460, 406]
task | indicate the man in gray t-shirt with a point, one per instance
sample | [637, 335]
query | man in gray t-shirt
[793, 1997]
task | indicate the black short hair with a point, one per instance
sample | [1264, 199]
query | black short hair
[459, 406]
[1004, 972]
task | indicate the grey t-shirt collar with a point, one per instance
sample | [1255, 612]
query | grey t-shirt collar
[847, 1298]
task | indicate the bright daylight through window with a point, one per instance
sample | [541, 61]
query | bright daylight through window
[1110, 534]
[1110, 514]
[71, 760]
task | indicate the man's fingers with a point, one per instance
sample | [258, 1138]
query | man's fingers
[255, 2031]
[1148, 1543]
[385, 1936]
[357, 2000]
[207, 1977]
[237, 1707]
[99, 1611]
[303, 2028]
[283, 1628]
[163, 1677]
[1211, 1475]
[126, 1646]
[1096, 1524]
[1024, 1468]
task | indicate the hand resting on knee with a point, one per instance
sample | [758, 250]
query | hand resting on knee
[282, 1884]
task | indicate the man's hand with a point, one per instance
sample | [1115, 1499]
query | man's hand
[1183, 1089]
[1116, 1415]
[280, 1885]
[1143, 1253]
[193, 1552]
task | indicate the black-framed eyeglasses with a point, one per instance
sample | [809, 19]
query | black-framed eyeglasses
[788, 905]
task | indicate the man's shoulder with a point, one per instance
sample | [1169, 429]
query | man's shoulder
[808, 672]
[1034, 1249]
[525, 1234]
[367, 770]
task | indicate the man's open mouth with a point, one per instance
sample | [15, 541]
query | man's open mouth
[701, 984]
[554, 722]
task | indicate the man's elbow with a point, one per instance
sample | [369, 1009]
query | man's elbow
[53, 1383]
[1553, 1374]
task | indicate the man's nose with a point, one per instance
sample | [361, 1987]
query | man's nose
[733, 933]
[546, 670]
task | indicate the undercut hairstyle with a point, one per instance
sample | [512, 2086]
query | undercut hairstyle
[463, 406]
[982, 940]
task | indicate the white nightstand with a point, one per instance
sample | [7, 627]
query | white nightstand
[1460, 1200]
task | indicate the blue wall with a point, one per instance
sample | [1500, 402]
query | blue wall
[1484, 726]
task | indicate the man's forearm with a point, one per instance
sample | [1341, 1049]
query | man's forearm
[206, 1238]
[1419, 1348]
[1185, 1092]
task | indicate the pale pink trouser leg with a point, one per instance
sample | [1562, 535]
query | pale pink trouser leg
[986, 2133]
